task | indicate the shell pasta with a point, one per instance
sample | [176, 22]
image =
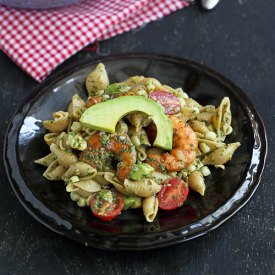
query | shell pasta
[112, 171]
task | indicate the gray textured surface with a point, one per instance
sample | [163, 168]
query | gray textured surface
[238, 40]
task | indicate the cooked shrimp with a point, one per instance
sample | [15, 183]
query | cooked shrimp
[103, 148]
[122, 147]
[95, 154]
[184, 150]
[94, 100]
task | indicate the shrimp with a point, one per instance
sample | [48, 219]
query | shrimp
[122, 147]
[103, 149]
[185, 146]
[94, 100]
[95, 154]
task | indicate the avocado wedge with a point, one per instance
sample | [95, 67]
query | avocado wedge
[105, 115]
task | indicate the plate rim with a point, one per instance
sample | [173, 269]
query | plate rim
[178, 237]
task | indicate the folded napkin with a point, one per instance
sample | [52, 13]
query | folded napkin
[39, 41]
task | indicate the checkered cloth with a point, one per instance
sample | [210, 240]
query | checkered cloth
[38, 41]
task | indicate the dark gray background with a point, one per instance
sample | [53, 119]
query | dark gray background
[236, 39]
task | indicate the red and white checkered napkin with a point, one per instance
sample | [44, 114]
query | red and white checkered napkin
[38, 41]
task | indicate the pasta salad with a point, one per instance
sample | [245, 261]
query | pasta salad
[112, 170]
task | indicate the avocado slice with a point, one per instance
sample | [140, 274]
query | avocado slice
[140, 170]
[128, 201]
[105, 115]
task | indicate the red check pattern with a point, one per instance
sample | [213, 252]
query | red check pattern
[38, 41]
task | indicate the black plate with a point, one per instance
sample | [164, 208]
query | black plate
[227, 191]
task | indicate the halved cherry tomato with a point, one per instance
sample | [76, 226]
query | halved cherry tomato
[172, 194]
[105, 206]
[169, 101]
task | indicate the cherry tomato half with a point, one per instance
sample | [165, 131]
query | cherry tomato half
[106, 204]
[169, 101]
[172, 194]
